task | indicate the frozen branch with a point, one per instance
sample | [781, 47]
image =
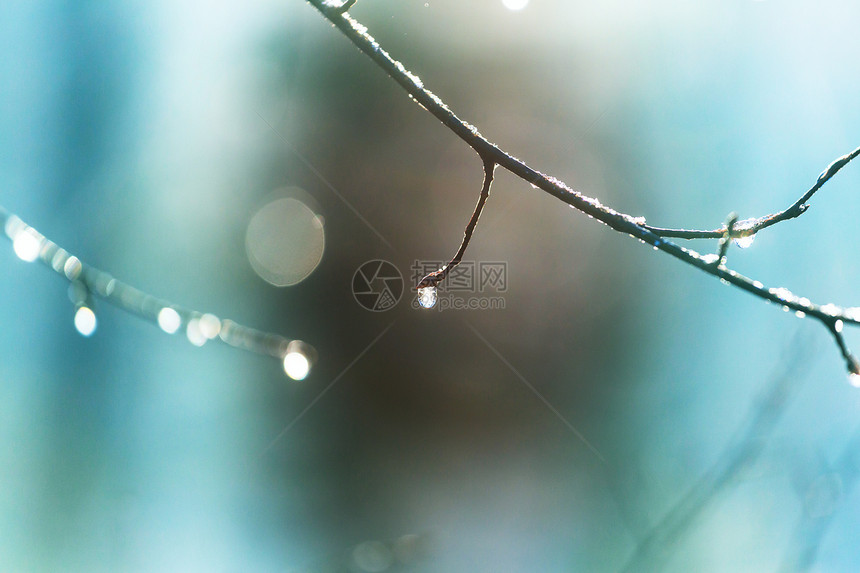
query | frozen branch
[87, 282]
[621, 222]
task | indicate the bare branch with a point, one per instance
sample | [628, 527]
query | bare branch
[753, 226]
[87, 281]
[621, 222]
[656, 546]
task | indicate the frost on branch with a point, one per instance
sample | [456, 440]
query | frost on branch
[742, 233]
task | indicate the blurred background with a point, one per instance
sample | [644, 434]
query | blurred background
[621, 410]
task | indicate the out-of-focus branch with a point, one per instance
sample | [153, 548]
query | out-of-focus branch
[635, 227]
[656, 547]
[802, 549]
[87, 282]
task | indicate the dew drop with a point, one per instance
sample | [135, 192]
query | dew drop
[85, 321]
[169, 320]
[515, 5]
[800, 314]
[710, 259]
[210, 325]
[72, 268]
[194, 334]
[854, 379]
[744, 242]
[296, 365]
[838, 326]
[830, 309]
[427, 296]
[27, 244]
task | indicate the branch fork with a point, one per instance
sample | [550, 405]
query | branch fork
[492, 156]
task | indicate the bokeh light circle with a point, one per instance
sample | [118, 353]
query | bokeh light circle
[169, 320]
[296, 365]
[515, 4]
[85, 321]
[285, 241]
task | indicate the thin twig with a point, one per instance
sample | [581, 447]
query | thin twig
[835, 327]
[726, 239]
[436, 277]
[621, 222]
[753, 226]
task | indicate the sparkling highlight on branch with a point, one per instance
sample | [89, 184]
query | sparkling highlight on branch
[635, 227]
[298, 359]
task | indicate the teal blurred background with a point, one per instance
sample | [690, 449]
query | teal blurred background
[144, 137]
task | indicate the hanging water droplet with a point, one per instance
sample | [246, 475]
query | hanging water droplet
[85, 320]
[744, 242]
[854, 379]
[427, 296]
[800, 314]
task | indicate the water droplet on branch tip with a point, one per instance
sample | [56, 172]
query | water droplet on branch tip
[427, 296]
[296, 365]
[85, 321]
